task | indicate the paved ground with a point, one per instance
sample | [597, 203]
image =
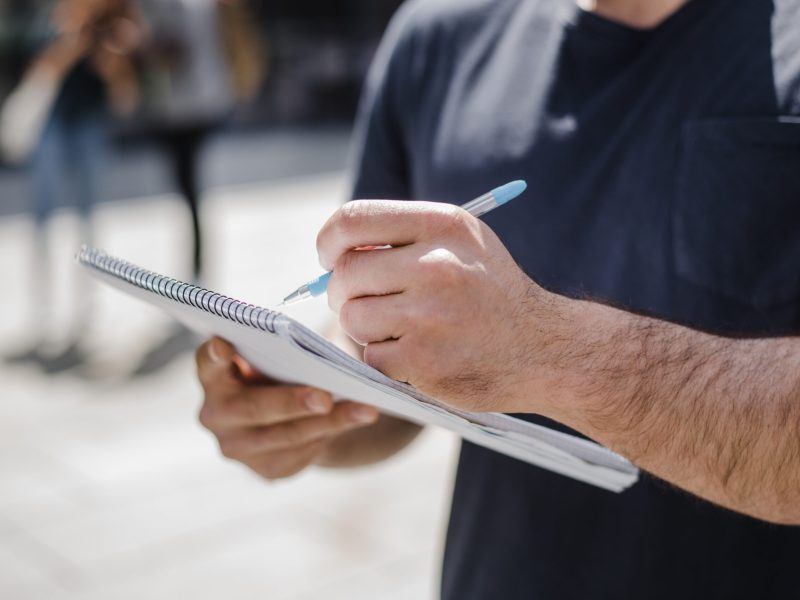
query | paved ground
[108, 487]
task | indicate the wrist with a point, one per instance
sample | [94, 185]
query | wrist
[617, 366]
[586, 360]
[549, 379]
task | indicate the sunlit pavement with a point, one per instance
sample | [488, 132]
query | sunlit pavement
[108, 486]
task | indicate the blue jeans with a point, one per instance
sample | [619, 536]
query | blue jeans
[68, 165]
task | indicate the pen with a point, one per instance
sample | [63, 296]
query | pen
[477, 208]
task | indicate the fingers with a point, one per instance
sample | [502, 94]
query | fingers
[360, 273]
[232, 401]
[215, 364]
[376, 223]
[218, 365]
[248, 372]
[285, 463]
[276, 430]
[375, 318]
[255, 405]
[386, 357]
[246, 443]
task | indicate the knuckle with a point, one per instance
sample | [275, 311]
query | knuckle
[350, 217]
[343, 225]
[339, 228]
[443, 266]
[448, 220]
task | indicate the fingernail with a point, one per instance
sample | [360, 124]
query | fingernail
[316, 403]
[364, 414]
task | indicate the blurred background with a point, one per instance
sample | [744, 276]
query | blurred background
[208, 140]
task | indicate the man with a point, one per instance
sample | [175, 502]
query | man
[661, 143]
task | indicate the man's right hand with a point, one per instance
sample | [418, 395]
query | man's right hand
[275, 429]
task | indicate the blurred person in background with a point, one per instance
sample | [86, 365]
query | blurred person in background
[203, 58]
[57, 118]
[19, 30]
[657, 312]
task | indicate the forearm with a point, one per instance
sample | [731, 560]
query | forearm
[57, 59]
[715, 416]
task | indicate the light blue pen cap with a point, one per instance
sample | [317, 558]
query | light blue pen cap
[509, 191]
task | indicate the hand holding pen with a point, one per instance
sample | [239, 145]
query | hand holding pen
[445, 307]
[476, 207]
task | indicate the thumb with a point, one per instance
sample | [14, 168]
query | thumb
[215, 363]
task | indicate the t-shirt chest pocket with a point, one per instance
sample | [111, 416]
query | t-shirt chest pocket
[736, 214]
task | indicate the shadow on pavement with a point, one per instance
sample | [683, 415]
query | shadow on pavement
[179, 342]
[68, 358]
[76, 360]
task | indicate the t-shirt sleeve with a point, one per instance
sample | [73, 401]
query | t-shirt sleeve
[380, 158]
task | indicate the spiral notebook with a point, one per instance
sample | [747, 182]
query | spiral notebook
[284, 349]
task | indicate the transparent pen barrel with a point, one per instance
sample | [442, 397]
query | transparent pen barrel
[481, 205]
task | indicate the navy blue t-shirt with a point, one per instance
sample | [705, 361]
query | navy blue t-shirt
[664, 174]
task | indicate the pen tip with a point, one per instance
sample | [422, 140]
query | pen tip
[509, 191]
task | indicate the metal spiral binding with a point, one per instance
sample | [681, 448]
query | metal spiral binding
[185, 293]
